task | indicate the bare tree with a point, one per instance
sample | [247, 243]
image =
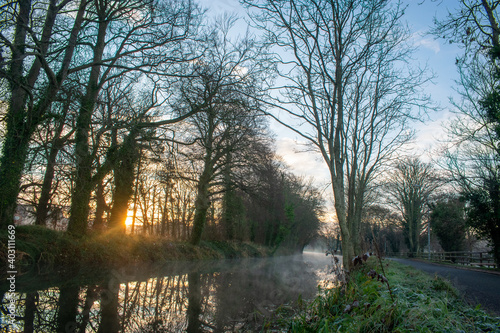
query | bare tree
[33, 70]
[59, 139]
[105, 40]
[410, 188]
[474, 27]
[139, 45]
[348, 88]
[228, 120]
[382, 224]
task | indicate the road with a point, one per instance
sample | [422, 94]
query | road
[477, 287]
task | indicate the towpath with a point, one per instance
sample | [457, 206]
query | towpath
[477, 287]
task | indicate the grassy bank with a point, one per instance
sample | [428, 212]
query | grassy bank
[43, 251]
[396, 298]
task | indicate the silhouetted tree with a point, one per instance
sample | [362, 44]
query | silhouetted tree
[344, 89]
[40, 40]
[139, 45]
[228, 120]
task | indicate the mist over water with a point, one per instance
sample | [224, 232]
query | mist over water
[204, 296]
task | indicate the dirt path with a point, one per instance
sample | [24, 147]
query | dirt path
[477, 287]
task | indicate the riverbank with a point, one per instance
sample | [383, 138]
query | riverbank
[43, 251]
[388, 298]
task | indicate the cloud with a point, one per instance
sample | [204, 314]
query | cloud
[428, 43]
[302, 160]
[430, 138]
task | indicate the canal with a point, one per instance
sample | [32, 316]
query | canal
[205, 296]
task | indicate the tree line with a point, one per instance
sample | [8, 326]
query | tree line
[346, 75]
[148, 105]
[108, 103]
[456, 197]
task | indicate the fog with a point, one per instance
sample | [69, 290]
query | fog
[204, 296]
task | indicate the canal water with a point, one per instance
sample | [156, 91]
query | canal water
[205, 296]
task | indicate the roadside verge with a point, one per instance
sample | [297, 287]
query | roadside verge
[391, 297]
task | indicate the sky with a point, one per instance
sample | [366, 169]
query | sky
[439, 56]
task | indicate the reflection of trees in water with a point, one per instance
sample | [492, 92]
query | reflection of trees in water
[194, 303]
[91, 296]
[109, 302]
[154, 305]
[29, 313]
[50, 310]
[67, 308]
[209, 302]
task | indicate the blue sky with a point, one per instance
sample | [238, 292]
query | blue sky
[438, 54]
[440, 57]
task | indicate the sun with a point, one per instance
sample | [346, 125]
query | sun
[128, 221]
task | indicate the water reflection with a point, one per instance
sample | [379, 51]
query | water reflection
[223, 296]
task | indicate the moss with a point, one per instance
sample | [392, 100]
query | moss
[33, 245]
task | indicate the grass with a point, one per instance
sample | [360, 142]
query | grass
[397, 298]
[42, 251]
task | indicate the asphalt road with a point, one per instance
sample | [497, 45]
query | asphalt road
[477, 287]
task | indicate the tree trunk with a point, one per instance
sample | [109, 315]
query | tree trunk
[29, 312]
[110, 321]
[121, 198]
[128, 155]
[194, 303]
[15, 145]
[90, 298]
[358, 204]
[68, 308]
[58, 142]
[136, 189]
[228, 216]
[164, 214]
[201, 205]
[14, 154]
[346, 225]
[43, 206]
[80, 199]
[100, 208]
[347, 245]
[22, 120]
[412, 233]
[45, 195]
